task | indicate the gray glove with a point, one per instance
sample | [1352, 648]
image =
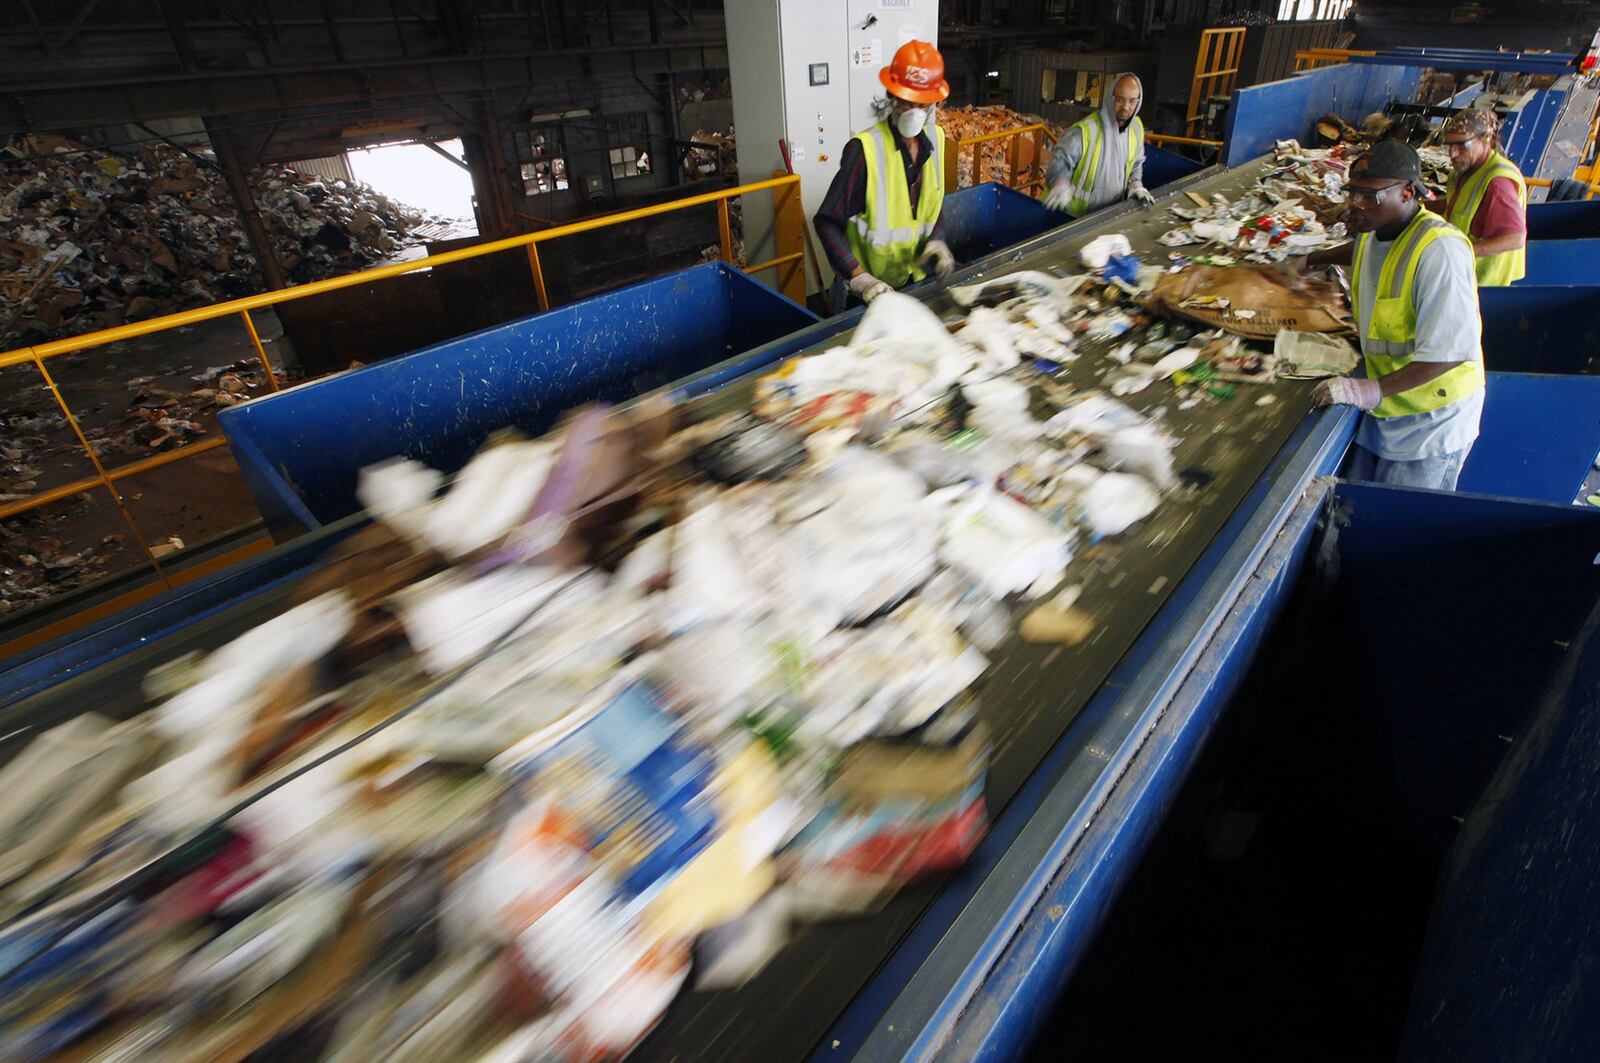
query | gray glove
[1140, 194]
[867, 287]
[938, 259]
[1348, 391]
[1060, 195]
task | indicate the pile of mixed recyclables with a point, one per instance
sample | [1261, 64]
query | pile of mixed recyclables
[93, 239]
[604, 715]
[995, 160]
[1298, 207]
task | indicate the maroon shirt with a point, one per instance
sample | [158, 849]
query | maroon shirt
[1499, 212]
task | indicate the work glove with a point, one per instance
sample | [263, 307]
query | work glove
[937, 259]
[1140, 194]
[1348, 391]
[867, 287]
[1060, 195]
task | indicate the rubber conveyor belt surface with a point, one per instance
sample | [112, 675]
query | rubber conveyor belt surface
[1029, 698]
[1031, 693]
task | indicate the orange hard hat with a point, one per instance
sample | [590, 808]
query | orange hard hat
[916, 74]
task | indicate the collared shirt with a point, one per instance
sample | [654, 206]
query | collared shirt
[1448, 330]
[847, 197]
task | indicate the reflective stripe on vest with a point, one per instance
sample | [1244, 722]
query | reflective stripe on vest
[1394, 318]
[1494, 271]
[887, 237]
[1087, 171]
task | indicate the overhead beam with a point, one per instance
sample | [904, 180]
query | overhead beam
[244, 200]
[437, 150]
[62, 106]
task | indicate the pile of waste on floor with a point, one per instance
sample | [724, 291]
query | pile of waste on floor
[94, 239]
[710, 153]
[608, 713]
[961, 123]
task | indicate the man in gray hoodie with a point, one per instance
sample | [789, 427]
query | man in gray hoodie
[1100, 159]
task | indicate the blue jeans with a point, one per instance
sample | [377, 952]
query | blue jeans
[1439, 473]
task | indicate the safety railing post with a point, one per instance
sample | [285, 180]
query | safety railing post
[789, 222]
[725, 230]
[261, 350]
[537, 268]
[100, 471]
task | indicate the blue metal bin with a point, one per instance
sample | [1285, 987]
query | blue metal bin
[1541, 329]
[301, 450]
[1575, 220]
[984, 218]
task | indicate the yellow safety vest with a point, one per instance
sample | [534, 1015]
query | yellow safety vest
[887, 237]
[1394, 318]
[1088, 168]
[1494, 271]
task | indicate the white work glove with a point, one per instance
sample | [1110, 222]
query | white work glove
[1140, 194]
[868, 287]
[1348, 391]
[1060, 195]
[938, 259]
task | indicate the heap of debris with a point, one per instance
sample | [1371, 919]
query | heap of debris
[93, 239]
[965, 122]
[709, 154]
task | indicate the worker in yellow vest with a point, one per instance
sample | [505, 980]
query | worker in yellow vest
[1487, 198]
[1415, 300]
[1100, 159]
[879, 223]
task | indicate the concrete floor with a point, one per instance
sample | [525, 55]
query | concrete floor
[195, 499]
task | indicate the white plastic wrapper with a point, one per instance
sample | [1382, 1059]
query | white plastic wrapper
[1117, 500]
[1125, 438]
[491, 495]
[398, 492]
[1102, 249]
[1002, 544]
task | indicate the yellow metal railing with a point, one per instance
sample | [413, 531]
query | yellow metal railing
[1216, 71]
[789, 262]
[1024, 157]
[1317, 58]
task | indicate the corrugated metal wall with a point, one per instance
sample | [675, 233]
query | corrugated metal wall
[1269, 50]
[328, 167]
[1027, 77]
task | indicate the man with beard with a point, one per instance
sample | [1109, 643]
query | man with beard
[1487, 197]
[1100, 159]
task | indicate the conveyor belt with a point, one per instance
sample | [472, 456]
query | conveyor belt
[1029, 698]
[1032, 693]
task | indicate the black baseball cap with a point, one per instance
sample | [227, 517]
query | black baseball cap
[1389, 160]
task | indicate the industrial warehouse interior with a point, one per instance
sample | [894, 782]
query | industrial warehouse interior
[760, 530]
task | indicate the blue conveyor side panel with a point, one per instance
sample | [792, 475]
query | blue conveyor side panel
[935, 993]
[1289, 109]
[1541, 329]
[1164, 167]
[1562, 262]
[1574, 220]
[984, 218]
[438, 404]
[1507, 970]
[1538, 440]
[1432, 695]
[1525, 141]
[146, 624]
